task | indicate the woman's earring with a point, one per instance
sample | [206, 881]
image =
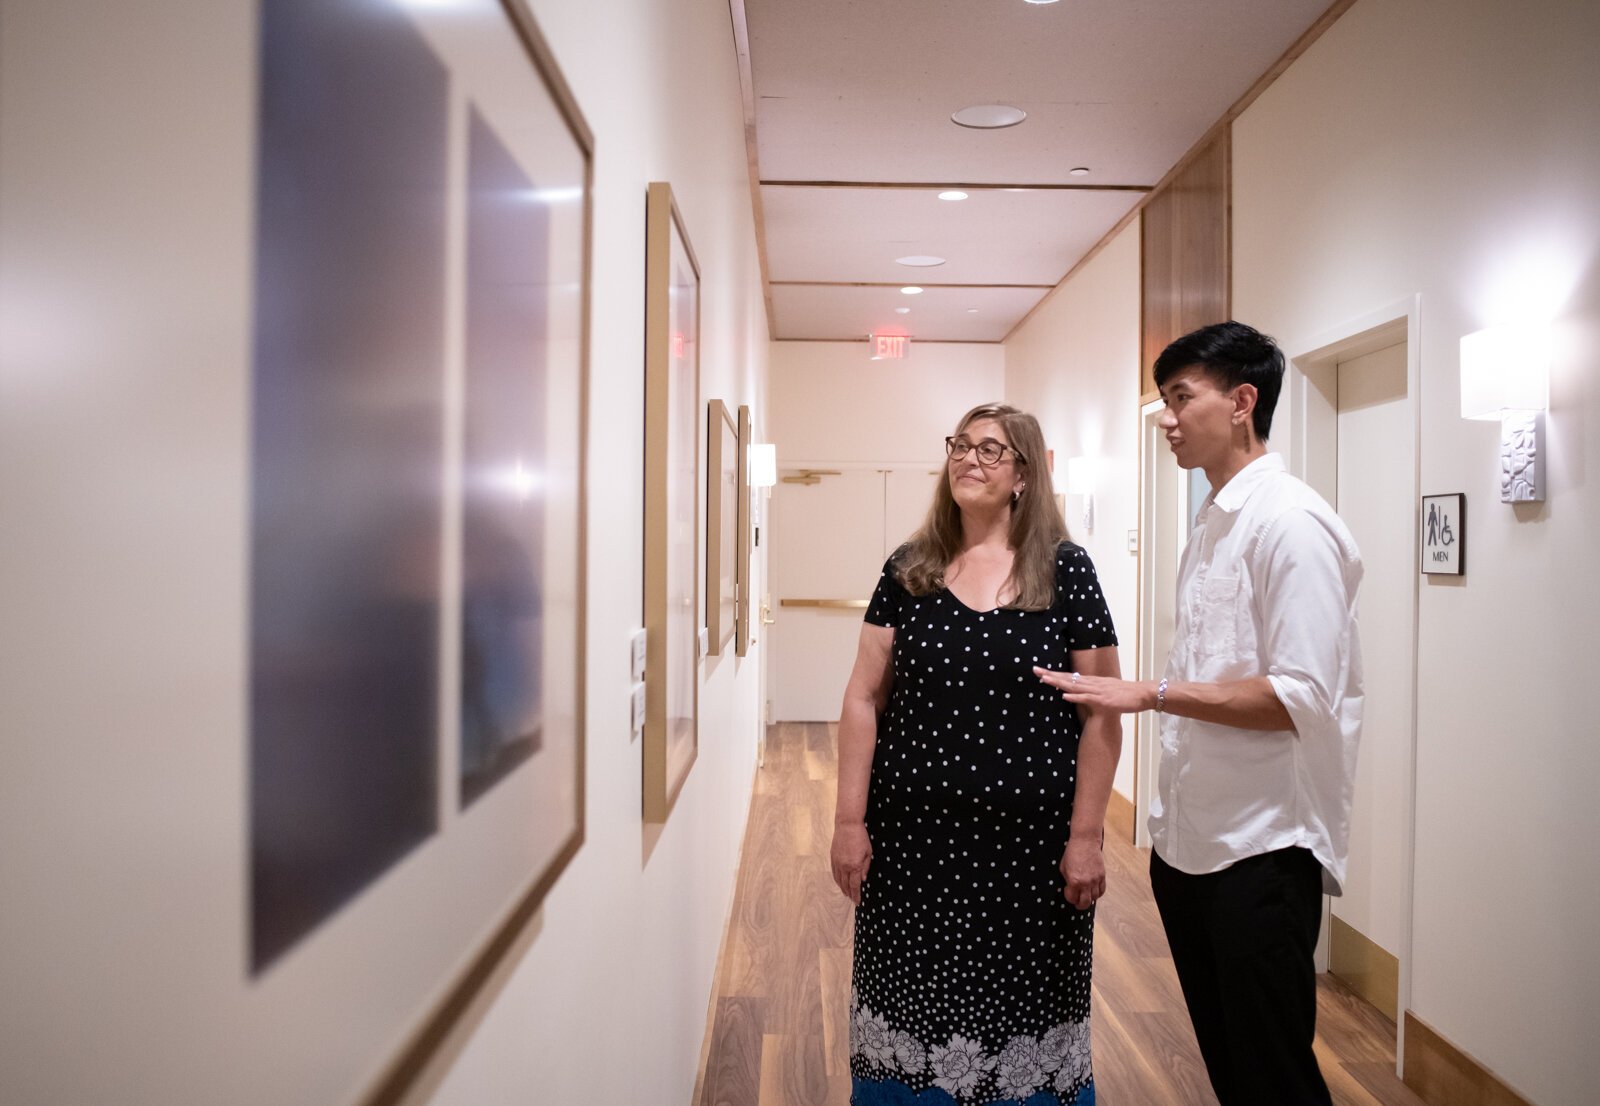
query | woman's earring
[1016, 495]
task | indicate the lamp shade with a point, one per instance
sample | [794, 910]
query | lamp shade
[1505, 368]
[763, 464]
[1080, 475]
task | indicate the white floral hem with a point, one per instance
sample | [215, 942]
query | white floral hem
[1060, 1059]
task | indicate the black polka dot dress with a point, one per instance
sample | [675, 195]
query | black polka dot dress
[971, 976]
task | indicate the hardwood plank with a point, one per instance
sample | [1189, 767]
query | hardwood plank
[1356, 1031]
[1136, 987]
[834, 971]
[1123, 1068]
[1342, 1086]
[791, 1072]
[802, 829]
[1168, 1044]
[1381, 1082]
[733, 1071]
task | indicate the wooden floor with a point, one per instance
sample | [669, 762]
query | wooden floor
[778, 1031]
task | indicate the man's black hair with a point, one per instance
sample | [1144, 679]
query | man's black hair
[1231, 354]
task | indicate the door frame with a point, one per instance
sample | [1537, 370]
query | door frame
[1313, 457]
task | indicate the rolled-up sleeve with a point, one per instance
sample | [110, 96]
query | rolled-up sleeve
[1307, 583]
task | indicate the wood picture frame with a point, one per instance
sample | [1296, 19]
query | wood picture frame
[744, 630]
[379, 582]
[671, 503]
[1442, 534]
[722, 527]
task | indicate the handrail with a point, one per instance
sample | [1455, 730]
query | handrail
[831, 604]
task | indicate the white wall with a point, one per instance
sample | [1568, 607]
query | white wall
[1448, 150]
[1075, 366]
[125, 259]
[609, 1003]
[831, 403]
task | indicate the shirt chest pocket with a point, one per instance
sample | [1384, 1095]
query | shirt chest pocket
[1218, 608]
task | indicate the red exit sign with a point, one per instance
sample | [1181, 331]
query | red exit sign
[889, 347]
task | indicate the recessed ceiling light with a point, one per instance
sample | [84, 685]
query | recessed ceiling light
[953, 194]
[911, 290]
[1038, 1]
[988, 116]
[974, 310]
[902, 311]
[1080, 171]
[920, 261]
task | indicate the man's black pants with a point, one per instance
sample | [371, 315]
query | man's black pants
[1242, 940]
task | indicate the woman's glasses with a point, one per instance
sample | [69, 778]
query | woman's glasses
[989, 451]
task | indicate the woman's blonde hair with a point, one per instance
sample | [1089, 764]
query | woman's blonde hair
[1036, 530]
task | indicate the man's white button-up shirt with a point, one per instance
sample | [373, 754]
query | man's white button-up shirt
[1267, 587]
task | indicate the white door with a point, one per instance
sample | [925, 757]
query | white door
[1168, 500]
[1376, 467]
[827, 550]
[907, 495]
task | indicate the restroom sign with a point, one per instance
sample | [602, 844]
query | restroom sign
[889, 347]
[1443, 537]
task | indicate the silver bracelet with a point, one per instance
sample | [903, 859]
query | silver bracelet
[1161, 696]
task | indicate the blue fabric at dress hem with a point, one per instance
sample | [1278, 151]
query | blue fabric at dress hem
[890, 1092]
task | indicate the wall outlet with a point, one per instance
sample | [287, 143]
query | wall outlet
[636, 723]
[637, 649]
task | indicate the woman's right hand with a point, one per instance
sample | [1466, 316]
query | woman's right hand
[850, 856]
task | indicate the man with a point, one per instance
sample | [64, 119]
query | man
[1260, 715]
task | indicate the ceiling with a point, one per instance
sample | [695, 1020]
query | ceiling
[851, 101]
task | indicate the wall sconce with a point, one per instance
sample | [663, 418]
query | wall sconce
[1505, 375]
[1080, 481]
[763, 464]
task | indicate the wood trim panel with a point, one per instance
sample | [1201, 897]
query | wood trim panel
[1442, 1075]
[1120, 817]
[1184, 241]
[1365, 966]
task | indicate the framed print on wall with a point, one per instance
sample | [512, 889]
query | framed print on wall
[671, 503]
[416, 589]
[1443, 539]
[744, 635]
[722, 527]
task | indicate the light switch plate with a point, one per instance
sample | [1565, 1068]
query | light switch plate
[1133, 541]
[637, 644]
[637, 713]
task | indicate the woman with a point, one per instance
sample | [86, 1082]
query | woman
[971, 797]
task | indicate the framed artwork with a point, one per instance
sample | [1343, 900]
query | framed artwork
[416, 590]
[1443, 538]
[744, 631]
[671, 503]
[722, 527]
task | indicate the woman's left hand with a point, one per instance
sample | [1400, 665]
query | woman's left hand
[1083, 865]
[1101, 692]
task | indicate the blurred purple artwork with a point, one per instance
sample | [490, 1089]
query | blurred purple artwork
[347, 451]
